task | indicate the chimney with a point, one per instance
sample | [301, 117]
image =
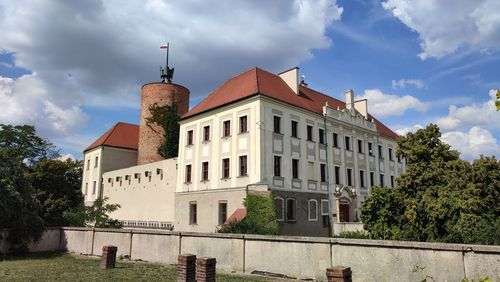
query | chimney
[291, 78]
[349, 99]
[362, 107]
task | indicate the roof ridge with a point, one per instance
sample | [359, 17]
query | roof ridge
[323, 94]
[110, 132]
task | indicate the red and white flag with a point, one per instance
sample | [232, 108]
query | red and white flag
[163, 46]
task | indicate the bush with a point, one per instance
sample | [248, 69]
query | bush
[260, 218]
[354, 235]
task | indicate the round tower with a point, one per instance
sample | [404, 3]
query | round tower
[162, 93]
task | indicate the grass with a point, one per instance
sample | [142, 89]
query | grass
[67, 267]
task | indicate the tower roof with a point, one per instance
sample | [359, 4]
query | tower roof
[256, 81]
[121, 135]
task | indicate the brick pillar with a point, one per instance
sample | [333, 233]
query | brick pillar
[187, 268]
[108, 258]
[205, 269]
[339, 274]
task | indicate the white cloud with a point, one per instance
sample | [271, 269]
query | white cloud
[26, 101]
[446, 26]
[100, 52]
[66, 157]
[385, 105]
[403, 82]
[473, 143]
[405, 129]
[477, 114]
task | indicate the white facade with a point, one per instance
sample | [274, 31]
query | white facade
[98, 161]
[145, 193]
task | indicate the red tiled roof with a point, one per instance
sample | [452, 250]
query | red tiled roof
[122, 135]
[238, 215]
[257, 81]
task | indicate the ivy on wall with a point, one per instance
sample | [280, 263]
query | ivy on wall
[167, 118]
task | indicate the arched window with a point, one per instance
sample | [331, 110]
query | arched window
[280, 208]
[313, 210]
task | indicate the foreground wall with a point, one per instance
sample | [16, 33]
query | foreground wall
[301, 257]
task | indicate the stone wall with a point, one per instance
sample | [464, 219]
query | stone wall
[301, 257]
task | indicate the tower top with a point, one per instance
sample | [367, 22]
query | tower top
[166, 73]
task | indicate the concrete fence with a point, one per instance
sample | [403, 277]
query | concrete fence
[301, 257]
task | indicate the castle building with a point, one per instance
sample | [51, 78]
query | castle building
[319, 157]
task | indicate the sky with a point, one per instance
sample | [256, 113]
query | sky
[75, 68]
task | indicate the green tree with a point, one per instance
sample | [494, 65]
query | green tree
[58, 188]
[438, 198]
[497, 102]
[167, 118]
[96, 215]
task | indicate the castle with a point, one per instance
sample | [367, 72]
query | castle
[257, 131]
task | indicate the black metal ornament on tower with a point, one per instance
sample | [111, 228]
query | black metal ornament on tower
[166, 73]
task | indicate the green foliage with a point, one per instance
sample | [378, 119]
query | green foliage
[58, 188]
[96, 215]
[439, 198]
[497, 102]
[260, 218]
[34, 188]
[354, 235]
[167, 118]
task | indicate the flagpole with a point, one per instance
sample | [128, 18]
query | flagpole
[168, 49]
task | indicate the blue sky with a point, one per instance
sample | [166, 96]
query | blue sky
[75, 69]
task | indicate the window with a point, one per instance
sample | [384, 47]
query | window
[335, 140]
[309, 133]
[188, 173]
[243, 165]
[227, 128]
[349, 177]
[362, 178]
[88, 164]
[322, 169]
[86, 188]
[360, 146]
[380, 153]
[311, 173]
[94, 187]
[277, 124]
[372, 178]
[381, 180]
[193, 213]
[277, 166]
[390, 154]
[290, 209]
[321, 133]
[337, 175]
[370, 148]
[190, 137]
[392, 181]
[313, 210]
[295, 168]
[222, 212]
[225, 168]
[295, 126]
[96, 161]
[279, 203]
[206, 133]
[324, 213]
[399, 159]
[204, 171]
[243, 124]
[348, 143]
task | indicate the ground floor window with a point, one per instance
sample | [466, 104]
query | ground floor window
[193, 213]
[278, 203]
[222, 212]
[313, 210]
[291, 205]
